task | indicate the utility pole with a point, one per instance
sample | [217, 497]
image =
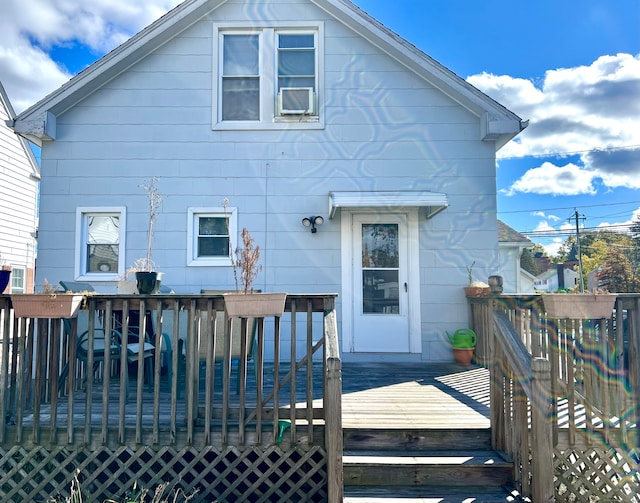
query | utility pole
[577, 216]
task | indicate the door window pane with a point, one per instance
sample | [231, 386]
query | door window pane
[380, 269]
[380, 293]
[380, 245]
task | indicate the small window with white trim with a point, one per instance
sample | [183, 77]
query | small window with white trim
[17, 280]
[208, 236]
[100, 237]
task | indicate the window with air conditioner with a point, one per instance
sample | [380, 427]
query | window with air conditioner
[296, 101]
[268, 77]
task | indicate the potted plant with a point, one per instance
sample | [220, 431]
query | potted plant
[463, 343]
[245, 302]
[5, 274]
[475, 288]
[50, 303]
[147, 277]
[579, 306]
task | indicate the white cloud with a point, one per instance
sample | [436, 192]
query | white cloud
[567, 180]
[545, 229]
[574, 109]
[542, 214]
[593, 110]
[553, 248]
[621, 226]
[26, 70]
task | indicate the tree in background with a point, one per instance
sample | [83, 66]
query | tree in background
[598, 251]
[635, 252]
[528, 263]
[616, 274]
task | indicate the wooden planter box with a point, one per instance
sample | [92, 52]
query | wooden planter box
[254, 305]
[45, 305]
[579, 306]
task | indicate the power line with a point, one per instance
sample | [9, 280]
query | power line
[564, 154]
[566, 232]
[568, 207]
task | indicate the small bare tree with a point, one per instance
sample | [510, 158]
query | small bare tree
[244, 260]
[150, 186]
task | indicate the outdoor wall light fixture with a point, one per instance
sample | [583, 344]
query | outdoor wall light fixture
[312, 222]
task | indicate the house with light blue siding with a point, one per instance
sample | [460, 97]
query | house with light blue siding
[290, 109]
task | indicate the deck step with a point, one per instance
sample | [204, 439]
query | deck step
[424, 465]
[416, 439]
[428, 495]
[441, 468]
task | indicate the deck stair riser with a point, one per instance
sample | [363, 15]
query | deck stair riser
[452, 464]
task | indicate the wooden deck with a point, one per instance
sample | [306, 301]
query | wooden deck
[414, 395]
[375, 395]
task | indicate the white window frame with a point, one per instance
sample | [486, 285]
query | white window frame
[268, 72]
[193, 214]
[81, 242]
[17, 288]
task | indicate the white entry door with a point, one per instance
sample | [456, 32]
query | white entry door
[380, 284]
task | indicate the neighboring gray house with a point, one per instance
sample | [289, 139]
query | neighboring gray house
[19, 177]
[511, 244]
[289, 109]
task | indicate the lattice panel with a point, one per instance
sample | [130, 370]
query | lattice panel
[596, 475]
[251, 475]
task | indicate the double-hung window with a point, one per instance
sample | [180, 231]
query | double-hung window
[17, 280]
[209, 233]
[268, 77]
[100, 240]
[296, 73]
[241, 78]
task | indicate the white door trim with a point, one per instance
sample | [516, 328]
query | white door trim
[413, 274]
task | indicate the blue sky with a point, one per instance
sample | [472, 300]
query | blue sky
[571, 67]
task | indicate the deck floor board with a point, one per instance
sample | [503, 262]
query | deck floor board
[375, 395]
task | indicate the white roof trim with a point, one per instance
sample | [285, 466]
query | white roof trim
[434, 201]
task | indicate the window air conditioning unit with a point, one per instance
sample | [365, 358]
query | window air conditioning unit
[296, 101]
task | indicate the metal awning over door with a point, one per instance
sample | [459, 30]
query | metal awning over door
[435, 202]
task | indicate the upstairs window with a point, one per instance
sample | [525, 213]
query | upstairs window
[240, 78]
[296, 74]
[268, 77]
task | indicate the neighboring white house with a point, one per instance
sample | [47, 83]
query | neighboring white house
[291, 109]
[511, 244]
[19, 177]
[559, 277]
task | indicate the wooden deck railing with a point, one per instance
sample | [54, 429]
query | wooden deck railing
[192, 392]
[565, 395]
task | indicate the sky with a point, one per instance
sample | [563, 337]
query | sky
[569, 67]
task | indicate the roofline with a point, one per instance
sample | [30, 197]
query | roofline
[35, 167]
[122, 57]
[415, 59]
[497, 122]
